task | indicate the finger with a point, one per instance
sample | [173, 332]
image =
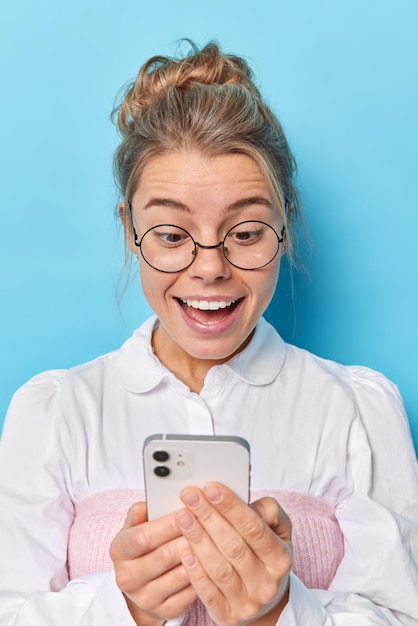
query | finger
[172, 608]
[274, 516]
[178, 603]
[251, 526]
[224, 608]
[258, 556]
[169, 598]
[230, 545]
[147, 563]
[209, 551]
[137, 514]
[206, 589]
[152, 581]
[135, 540]
[156, 592]
[224, 556]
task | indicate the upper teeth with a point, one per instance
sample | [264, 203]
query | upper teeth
[208, 305]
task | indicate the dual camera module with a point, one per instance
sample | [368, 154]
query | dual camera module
[172, 461]
[162, 457]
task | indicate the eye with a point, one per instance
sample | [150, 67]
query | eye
[247, 233]
[169, 236]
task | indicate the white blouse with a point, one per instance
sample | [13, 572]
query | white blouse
[314, 427]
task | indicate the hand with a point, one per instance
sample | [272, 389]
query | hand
[239, 557]
[147, 562]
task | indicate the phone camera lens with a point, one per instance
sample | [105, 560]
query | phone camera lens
[161, 471]
[161, 456]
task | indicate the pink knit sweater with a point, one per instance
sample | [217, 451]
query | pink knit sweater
[317, 540]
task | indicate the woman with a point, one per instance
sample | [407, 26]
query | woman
[209, 208]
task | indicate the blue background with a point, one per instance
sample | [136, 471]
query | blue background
[342, 77]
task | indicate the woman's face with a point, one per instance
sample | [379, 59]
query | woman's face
[205, 196]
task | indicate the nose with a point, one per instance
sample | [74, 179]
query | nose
[210, 263]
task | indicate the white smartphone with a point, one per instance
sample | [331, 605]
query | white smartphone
[172, 462]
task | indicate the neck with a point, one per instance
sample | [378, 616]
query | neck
[190, 370]
[194, 383]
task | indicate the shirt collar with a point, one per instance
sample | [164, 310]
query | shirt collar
[138, 367]
[258, 364]
[262, 360]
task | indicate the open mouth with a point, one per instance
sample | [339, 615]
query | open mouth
[209, 311]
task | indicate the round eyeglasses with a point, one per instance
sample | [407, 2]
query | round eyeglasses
[249, 245]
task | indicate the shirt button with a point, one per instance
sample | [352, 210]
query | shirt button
[222, 374]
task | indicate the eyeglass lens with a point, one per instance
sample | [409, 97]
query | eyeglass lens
[248, 245]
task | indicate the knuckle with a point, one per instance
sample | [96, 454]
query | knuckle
[268, 504]
[223, 573]
[173, 606]
[143, 600]
[166, 555]
[180, 577]
[268, 592]
[254, 531]
[205, 514]
[236, 549]
[247, 611]
[124, 580]
[284, 561]
[142, 543]
[212, 600]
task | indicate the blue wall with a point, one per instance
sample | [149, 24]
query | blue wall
[342, 76]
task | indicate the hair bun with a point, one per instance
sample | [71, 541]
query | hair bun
[159, 74]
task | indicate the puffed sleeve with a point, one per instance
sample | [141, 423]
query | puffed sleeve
[36, 514]
[377, 581]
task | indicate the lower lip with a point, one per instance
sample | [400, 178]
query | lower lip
[215, 328]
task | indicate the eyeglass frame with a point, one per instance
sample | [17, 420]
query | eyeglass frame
[280, 239]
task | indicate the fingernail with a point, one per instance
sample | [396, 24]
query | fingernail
[190, 498]
[213, 494]
[185, 520]
[189, 559]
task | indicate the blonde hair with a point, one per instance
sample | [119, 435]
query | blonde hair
[206, 101]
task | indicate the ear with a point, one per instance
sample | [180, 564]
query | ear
[127, 227]
[123, 212]
[283, 245]
[289, 210]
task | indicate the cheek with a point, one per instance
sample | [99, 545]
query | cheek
[144, 273]
[267, 284]
[154, 284]
[149, 283]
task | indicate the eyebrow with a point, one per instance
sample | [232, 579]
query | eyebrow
[235, 206]
[167, 202]
[248, 202]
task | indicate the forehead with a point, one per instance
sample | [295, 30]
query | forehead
[190, 175]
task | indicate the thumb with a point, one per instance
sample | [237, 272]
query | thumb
[137, 514]
[274, 516]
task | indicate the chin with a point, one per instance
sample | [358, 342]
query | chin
[208, 351]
